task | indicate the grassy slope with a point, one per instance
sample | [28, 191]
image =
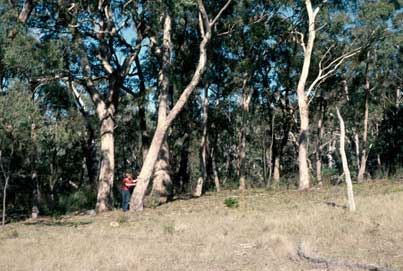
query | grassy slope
[263, 233]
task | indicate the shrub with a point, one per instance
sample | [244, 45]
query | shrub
[231, 203]
[122, 219]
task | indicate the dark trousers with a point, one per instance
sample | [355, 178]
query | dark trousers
[125, 200]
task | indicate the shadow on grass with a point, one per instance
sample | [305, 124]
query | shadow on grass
[57, 223]
[333, 204]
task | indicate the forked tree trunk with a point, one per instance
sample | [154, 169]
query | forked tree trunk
[350, 193]
[107, 170]
[203, 148]
[304, 179]
[137, 199]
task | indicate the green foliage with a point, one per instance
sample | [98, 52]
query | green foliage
[83, 199]
[231, 202]
[169, 228]
[122, 219]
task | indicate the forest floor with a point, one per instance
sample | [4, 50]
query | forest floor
[270, 230]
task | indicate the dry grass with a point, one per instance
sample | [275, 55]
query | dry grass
[263, 233]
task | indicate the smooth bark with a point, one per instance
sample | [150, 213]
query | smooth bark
[320, 133]
[346, 170]
[245, 105]
[363, 162]
[203, 147]
[162, 183]
[107, 170]
[137, 199]
[304, 179]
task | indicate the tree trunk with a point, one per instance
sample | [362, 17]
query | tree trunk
[137, 199]
[321, 131]
[241, 158]
[162, 190]
[304, 179]
[182, 177]
[90, 155]
[215, 172]
[245, 102]
[357, 149]
[145, 137]
[203, 148]
[162, 184]
[107, 170]
[350, 193]
[270, 155]
[363, 163]
[3, 220]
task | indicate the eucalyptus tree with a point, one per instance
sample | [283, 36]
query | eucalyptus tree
[101, 42]
[164, 122]
[371, 30]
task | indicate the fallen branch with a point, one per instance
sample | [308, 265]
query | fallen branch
[333, 263]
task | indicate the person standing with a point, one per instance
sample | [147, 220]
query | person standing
[127, 183]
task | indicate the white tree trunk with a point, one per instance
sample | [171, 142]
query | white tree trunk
[363, 163]
[137, 199]
[107, 170]
[162, 184]
[350, 193]
[203, 148]
[304, 179]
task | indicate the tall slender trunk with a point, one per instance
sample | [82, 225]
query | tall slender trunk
[203, 147]
[304, 179]
[90, 155]
[241, 158]
[137, 199]
[357, 149]
[182, 177]
[319, 137]
[350, 193]
[270, 155]
[162, 183]
[3, 220]
[145, 137]
[398, 96]
[245, 103]
[107, 170]
[215, 171]
[363, 163]
[264, 162]
[88, 145]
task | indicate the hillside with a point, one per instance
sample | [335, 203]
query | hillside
[270, 230]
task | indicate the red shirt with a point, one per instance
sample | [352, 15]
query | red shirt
[125, 182]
